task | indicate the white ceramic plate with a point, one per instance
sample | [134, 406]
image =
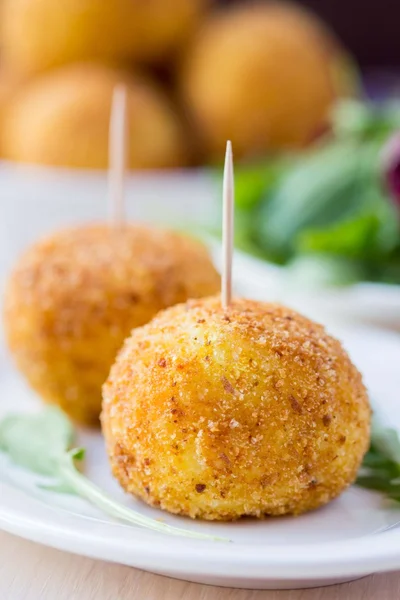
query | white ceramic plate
[355, 535]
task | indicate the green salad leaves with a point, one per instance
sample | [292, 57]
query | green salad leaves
[381, 467]
[42, 442]
[328, 202]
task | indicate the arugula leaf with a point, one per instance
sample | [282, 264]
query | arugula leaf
[356, 119]
[385, 442]
[328, 200]
[389, 271]
[381, 466]
[370, 233]
[254, 181]
[41, 443]
[350, 238]
[37, 441]
[321, 190]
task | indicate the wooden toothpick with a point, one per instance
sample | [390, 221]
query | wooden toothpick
[118, 142]
[228, 195]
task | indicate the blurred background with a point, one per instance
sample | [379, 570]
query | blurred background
[308, 92]
[264, 73]
[367, 28]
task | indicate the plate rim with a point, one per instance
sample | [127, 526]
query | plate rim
[95, 538]
[116, 542]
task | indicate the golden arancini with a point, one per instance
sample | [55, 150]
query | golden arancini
[264, 75]
[253, 410]
[74, 297]
[62, 119]
[43, 34]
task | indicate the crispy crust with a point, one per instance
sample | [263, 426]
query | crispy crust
[250, 411]
[75, 296]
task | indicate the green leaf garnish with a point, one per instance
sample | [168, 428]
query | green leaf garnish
[37, 441]
[380, 470]
[329, 200]
[41, 443]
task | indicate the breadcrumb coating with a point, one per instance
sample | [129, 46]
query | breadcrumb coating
[253, 410]
[75, 296]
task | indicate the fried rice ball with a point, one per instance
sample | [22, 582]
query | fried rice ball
[264, 75]
[75, 296]
[42, 34]
[62, 119]
[253, 410]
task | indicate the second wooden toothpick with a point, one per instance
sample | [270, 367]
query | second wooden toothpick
[227, 227]
[118, 142]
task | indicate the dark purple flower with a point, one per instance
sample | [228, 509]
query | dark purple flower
[391, 167]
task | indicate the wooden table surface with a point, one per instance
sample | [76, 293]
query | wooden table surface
[32, 572]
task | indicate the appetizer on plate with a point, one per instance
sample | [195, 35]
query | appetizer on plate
[75, 296]
[219, 412]
[222, 408]
[219, 407]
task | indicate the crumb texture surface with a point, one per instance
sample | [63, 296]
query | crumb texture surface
[75, 296]
[216, 414]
